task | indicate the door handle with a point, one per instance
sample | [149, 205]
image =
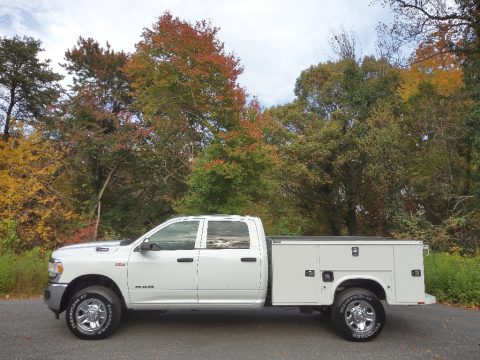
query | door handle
[185, 260]
[251, 259]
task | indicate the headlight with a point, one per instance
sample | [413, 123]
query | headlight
[55, 268]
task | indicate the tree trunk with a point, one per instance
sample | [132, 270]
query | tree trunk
[351, 219]
[468, 173]
[98, 206]
[9, 115]
[332, 224]
[97, 223]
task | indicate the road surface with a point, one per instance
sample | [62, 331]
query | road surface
[28, 330]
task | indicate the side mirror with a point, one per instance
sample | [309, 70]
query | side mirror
[145, 245]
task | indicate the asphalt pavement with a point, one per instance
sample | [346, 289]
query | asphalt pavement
[28, 330]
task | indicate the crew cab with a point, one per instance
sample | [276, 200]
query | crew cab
[217, 262]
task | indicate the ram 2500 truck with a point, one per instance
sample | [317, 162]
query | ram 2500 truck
[226, 262]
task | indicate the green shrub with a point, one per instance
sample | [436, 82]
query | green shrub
[24, 274]
[453, 278]
[6, 273]
[9, 239]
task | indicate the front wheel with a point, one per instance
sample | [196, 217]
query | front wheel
[93, 313]
[358, 315]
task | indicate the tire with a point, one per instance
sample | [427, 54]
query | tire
[100, 309]
[358, 315]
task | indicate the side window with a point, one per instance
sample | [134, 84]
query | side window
[177, 236]
[227, 235]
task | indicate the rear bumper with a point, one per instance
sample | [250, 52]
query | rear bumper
[430, 299]
[52, 296]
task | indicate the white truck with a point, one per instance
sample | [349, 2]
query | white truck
[219, 262]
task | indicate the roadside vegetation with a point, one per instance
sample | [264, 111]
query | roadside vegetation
[23, 275]
[370, 145]
[453, 278]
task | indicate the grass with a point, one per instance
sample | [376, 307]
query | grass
[24, 274]
[453, 278]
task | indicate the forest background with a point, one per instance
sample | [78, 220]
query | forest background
[384, 144]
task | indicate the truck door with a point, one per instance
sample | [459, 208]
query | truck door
[229, 266]
[168, 272]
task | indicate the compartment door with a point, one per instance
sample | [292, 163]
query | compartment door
[409, 289]
[291, 282]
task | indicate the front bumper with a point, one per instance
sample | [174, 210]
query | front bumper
[52, 296]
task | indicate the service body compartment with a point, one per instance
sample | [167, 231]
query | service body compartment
[291, 283]
[298, 264]
[409, 274]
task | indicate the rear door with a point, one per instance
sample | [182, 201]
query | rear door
[229, 266]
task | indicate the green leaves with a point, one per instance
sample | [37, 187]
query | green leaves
[331, 142]
[28, 87]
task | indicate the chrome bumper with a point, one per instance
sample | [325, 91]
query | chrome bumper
[52, 295]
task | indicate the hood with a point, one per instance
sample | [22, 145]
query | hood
[94, 247]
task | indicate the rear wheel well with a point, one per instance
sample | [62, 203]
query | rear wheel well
[89, 280]
[367, 284]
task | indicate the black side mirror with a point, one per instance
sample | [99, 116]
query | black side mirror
[145, 245]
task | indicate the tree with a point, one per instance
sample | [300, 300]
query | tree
[449, 32]
[328, 146]
[184, 83]
[32, 200]
[186, 93]
[229, 176]
[417, 20]
[28, 87]
[100, 132]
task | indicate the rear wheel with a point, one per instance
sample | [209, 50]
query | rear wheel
[358, 315]
[93, 313]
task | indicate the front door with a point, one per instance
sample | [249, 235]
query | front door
[166, 274]
[229, 267]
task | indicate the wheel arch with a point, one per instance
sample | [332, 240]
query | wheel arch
[370, 283]
[84, 281]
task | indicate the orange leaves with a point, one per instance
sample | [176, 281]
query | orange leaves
[211, 164]
[81, 235]
[181, 69]
[434, 62]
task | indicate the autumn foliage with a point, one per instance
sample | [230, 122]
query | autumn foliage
[365, 147]
[30, 202]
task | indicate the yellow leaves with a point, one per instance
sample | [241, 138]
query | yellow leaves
[434, 63]
[28, 169]
[446, 81]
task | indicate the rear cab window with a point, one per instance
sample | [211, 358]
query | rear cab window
[227, 235]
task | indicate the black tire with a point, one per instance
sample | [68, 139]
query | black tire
[105, 314]
[358, 315]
